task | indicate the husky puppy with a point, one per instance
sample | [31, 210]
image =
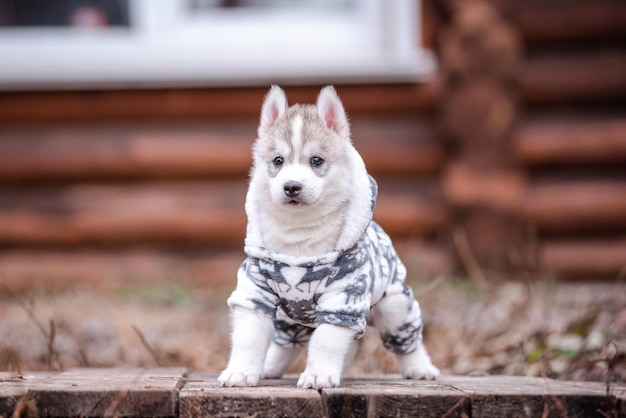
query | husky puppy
[318, 268]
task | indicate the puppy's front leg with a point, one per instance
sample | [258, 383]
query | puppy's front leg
[250, 339]
[328, 348]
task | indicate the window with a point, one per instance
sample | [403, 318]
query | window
[118, 43]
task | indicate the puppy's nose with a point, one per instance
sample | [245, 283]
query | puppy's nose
[292, 188]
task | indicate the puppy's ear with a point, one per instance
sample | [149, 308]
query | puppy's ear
[331, 110]
[274, 106]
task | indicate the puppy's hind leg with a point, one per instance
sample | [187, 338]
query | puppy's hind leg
[289, 339]
[399, 322]
[278, 359]
[417, 364]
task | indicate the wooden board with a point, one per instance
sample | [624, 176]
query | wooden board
[274, 398]
[122, 151]
[171, 393]
[571, 140]
[583, 206]
[101, 392]
[568, 21]
[592, 258]
[205, 103]
[114, 214]
[581, 77]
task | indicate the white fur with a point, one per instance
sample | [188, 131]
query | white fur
[278, 359]
[331, 109]
[274, 106]
[417, 365]
[296, 138]
[250, 340]
[333, 213]
[384, 315]
[328, 349]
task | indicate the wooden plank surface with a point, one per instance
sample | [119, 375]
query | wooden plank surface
[507, 396]
[273, 398]
[170, 392]
[396, 397]
[390, 395]
[102, 392]
[14, 389]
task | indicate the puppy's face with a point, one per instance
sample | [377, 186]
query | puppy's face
[302, 157]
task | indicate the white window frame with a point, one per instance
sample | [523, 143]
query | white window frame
[167, 46]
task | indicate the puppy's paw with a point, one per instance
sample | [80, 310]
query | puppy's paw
[318, 380]
[417, 365]
[232, 378]
[421, 371]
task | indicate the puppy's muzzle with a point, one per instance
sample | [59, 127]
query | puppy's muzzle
[292, 188]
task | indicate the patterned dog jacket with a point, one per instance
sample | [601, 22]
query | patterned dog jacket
[338, 288]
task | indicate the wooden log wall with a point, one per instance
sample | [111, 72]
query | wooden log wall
[573, 138]
[517, 152]
[534, 105]
[156, 179]
[480, 55]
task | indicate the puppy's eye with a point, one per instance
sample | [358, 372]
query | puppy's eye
[278, 161]
[317, 161]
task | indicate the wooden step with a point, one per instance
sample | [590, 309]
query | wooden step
[568, 20]
[174, 392]
[571, 140]
[183, 212]
[574, 77]
[130, 392]
[584, 259]
[405, 145]
[584, 205]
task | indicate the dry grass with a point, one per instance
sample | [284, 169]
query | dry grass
[539, 328]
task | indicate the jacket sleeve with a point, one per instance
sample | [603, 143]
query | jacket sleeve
[252, 291]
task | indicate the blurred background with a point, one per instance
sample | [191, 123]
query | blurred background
[496, 130]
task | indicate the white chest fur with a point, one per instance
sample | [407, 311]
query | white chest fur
[302, 231]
